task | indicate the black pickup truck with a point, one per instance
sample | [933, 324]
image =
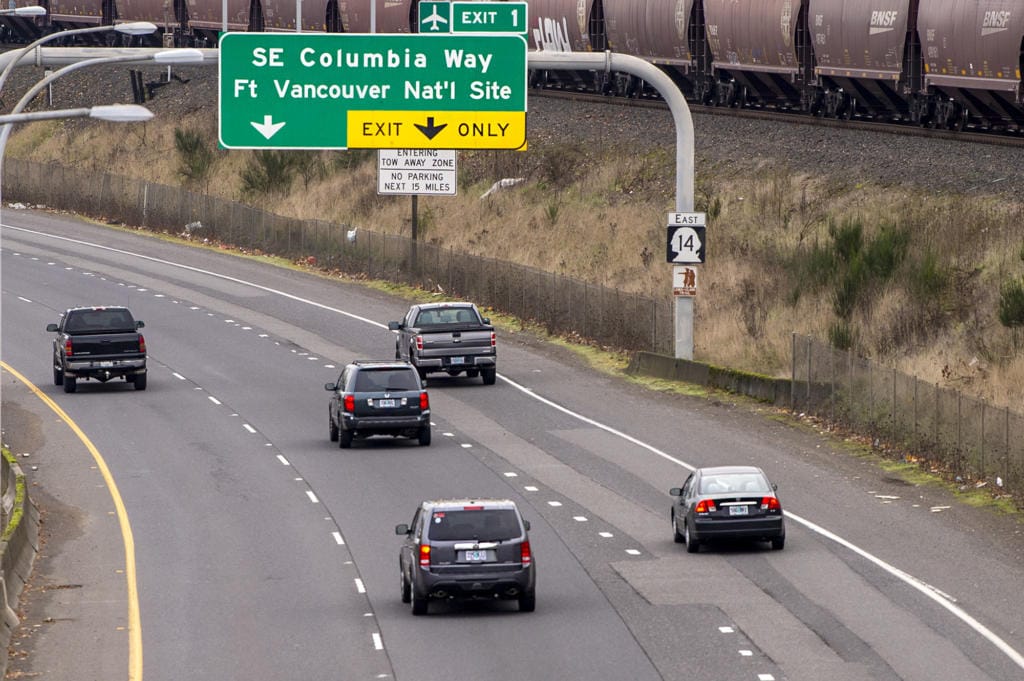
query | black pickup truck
[448, 337]
[101, 343]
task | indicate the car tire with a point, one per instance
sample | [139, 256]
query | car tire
[70, 384]
[344, 439]
[528, 602]
[406, 589]
[422, 373]
[140, 381]
[778, 543]
[489, 375]
[692, 545]
[419, 603]
[58, 376]
[332, 431]
[424, 436]
[676, 537]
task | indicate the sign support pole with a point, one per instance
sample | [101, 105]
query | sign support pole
[684, 145]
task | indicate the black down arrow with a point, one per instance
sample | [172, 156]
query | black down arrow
[431, 130]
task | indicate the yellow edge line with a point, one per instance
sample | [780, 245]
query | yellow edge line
[134, 621]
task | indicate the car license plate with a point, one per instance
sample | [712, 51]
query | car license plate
[106, 364]
[738, 510]
[480, 556]
[458, 360]
[385, 403]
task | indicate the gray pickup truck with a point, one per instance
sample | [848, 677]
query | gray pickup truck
[447, 337]
[101, 343]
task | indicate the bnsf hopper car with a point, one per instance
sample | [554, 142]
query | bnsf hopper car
[945, 63]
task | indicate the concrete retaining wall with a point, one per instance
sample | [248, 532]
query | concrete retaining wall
[777, 391]
[18, 549]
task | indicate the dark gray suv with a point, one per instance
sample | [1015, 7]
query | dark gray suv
[374, 397]
[466, 549]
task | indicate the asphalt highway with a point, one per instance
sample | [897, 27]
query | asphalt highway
[265, 552]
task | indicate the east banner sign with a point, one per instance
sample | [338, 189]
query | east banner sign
[372, 91]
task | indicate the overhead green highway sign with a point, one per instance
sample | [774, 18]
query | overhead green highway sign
[376, 91]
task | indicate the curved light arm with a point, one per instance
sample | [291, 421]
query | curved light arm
[132, 28]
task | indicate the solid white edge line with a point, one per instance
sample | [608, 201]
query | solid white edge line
[921, 586]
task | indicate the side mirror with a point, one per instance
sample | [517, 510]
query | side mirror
[394, 326]
[676, 491]
[51, 327]
[487, 320]
[330, 387]
[775, 487]
[139, 324]
[402, 529]
[526, 524]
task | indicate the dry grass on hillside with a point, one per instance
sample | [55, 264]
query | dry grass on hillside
[601, 219]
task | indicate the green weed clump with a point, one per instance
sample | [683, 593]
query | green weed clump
[196, 158]
[268, 172]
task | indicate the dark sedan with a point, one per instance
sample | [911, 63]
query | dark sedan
[727, 502]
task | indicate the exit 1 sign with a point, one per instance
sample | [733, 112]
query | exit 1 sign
[473, 17]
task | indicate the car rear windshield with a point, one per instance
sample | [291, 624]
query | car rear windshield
[728, 483]
[498, 524]
[447, 315]
[385, 380]
[99, 321]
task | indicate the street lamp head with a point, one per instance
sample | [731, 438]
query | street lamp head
[182, 55]
[30, 11]
[136, 28]
[121, 113]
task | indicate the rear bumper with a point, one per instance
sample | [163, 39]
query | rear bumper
[503, 585]
[104, 369]
[445, 363]
[371, 425]
[750, 528]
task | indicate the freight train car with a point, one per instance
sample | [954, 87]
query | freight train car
[945, 63]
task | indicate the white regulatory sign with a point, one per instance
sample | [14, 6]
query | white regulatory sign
[417, 171]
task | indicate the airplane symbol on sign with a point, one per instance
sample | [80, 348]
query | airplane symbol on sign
[435, 19]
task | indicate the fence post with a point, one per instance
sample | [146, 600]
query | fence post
[807, 408]
[982, 462]
[792, 375]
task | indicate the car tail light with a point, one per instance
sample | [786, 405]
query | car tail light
[419, 342]
[770, 504]
[350, 403]
[472, 508]
[494, 339]
[524, 553]
[424, 555]
[142, 343]
[424, 401]
[705, 506]
[67, 348]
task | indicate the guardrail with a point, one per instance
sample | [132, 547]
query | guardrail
[19, 543]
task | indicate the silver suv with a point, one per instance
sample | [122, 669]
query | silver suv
[459, 549]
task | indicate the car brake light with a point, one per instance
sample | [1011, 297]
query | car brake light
[419, 342]
[67, 348]
[424, 401]
[424, 555]
[705, 506]
[524, 553]
[472, 508]
[770, 504]
[142, 343]
[350, 403]
[494, 339]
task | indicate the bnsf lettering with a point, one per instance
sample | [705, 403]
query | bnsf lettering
[886, 18]
[996, 19]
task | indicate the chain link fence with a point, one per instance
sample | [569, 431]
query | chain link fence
[561, 304]
[975, 440]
